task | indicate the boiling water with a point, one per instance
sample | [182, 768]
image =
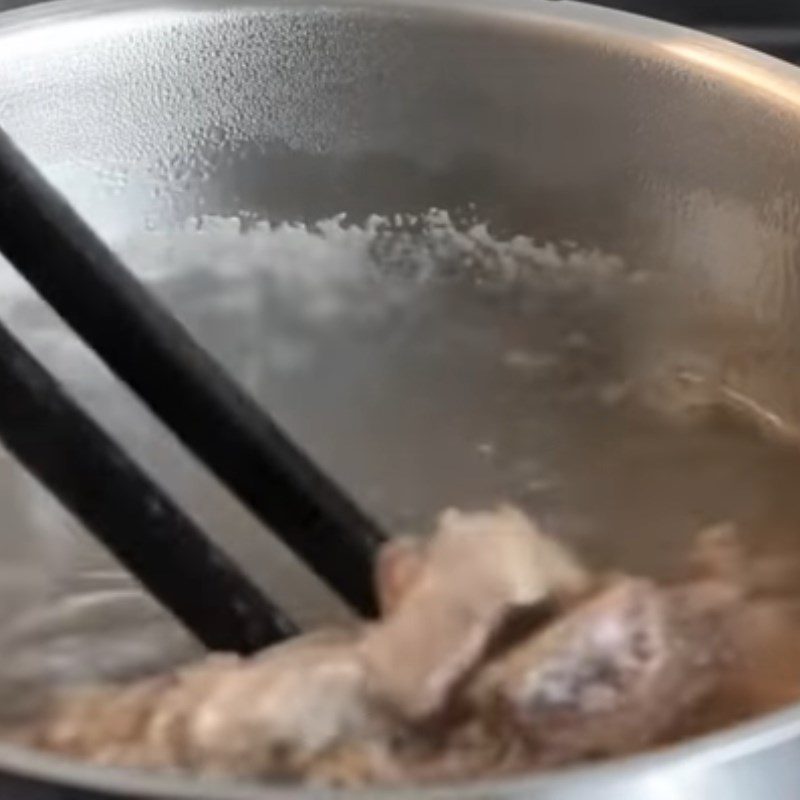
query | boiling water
[425, 361]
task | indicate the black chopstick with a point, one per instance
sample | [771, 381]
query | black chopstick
[82, 279]
[126, 511]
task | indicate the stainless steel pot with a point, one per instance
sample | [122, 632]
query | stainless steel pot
[673, 152]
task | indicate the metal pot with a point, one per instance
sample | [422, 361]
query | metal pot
[670, 158]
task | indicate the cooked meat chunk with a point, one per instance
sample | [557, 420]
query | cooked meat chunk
[720, 553]
[340, 698]
[495, 652]
[267, 715]
[399, 565]
[472, 576]
[766, 673]
[614, 674]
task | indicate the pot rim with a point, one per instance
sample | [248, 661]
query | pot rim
[746, 70]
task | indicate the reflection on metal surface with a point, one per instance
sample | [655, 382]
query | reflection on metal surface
[747, 72]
